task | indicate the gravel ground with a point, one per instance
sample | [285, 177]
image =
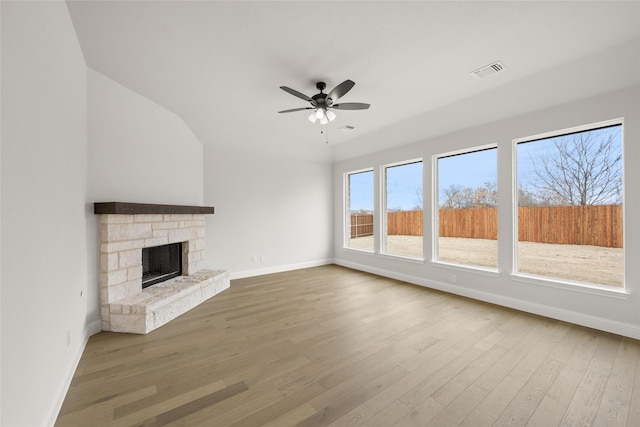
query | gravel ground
[584, 263]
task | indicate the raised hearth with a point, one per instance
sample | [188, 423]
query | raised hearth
[127, 228]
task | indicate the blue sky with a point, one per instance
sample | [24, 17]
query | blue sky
[467, 170]
[361, 191]
[404, 186]
[404, 182]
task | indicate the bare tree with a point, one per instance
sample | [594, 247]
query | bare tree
[582, 170]
[452, 197]
[486, 196]
[527, 197]
[418, 201]
[459, 197]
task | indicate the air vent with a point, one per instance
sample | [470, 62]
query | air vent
[487, 70]
[347, 128]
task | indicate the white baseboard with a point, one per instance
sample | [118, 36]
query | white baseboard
[90, 329]
[278, 269]
[600, 323]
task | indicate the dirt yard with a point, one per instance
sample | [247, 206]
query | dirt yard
[592, 264]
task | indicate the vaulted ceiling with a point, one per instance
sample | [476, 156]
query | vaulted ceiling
[219, 65]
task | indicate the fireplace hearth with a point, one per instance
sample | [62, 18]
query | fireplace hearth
[152, 264]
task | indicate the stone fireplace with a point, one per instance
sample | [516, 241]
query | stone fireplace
[128, 229]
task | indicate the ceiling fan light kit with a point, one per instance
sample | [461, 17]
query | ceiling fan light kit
[325, 116]
[322, 103]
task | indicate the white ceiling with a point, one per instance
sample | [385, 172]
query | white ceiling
[219, 65]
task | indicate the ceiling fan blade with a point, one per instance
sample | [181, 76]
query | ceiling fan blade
[341, 89]
[351, 106]
[296, 93]
[295, 109]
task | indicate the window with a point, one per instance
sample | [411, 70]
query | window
[402, 213]
[359, 212]
[570, 198]
[466, 208]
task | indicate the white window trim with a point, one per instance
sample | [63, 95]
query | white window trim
[346, 211]
[435, 213]
[572, 285]
[468, 268]
[406, 258]
[383, 208]
[556, 282]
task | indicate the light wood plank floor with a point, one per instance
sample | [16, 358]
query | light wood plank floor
[333, 346]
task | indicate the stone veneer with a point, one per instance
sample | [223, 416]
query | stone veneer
[124, 305]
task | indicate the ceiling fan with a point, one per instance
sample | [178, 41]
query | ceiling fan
[323, 103]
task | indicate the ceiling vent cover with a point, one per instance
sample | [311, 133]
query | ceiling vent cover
[488, 70]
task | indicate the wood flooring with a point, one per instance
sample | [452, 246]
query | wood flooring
[330, 346]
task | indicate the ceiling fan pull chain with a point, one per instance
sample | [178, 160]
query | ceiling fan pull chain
[324, 130]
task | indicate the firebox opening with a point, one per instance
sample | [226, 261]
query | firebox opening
[161, 263]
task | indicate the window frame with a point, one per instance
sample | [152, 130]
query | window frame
[435, 213]
[346, 191]
[557, 282]
[383, 226]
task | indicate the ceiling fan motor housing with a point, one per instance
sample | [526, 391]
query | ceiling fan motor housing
[320, 100]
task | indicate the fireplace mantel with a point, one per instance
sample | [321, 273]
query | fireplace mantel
[122, 208]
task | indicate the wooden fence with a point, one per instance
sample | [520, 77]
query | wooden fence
[569, 225]
[474, 223]
[404, 223]
[362, 225]
[572, 225]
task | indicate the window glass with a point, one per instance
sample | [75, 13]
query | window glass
[570, 203]
[467, 208]
[403, 210]
[359, 213]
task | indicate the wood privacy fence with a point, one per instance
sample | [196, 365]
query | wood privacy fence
[570, 225]
[474, 223]
[362, 225]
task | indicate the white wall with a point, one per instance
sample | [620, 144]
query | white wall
[70, 137]
[0, 218]
[139, 151]
[276, 207]
[44, 209]
[615, 313]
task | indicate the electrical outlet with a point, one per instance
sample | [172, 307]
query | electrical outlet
[453, 278]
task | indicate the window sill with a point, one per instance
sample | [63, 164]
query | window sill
[575, 286]
[486, 271]
[402, 258]
[358, 251]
